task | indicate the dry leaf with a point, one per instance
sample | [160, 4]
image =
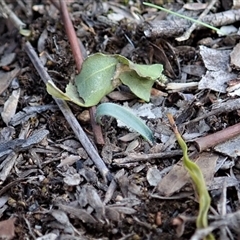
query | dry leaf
[178, 176]
[10, 106]
[7, 229]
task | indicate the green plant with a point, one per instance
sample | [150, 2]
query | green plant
[198, 180]
[100, 75]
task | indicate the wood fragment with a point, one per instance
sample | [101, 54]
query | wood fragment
[187, 34]
[174, 28]
[212, 140]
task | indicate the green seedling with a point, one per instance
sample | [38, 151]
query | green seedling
[101, 74]
[198, 181]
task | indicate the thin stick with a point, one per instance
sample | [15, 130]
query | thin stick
[71, 35]
[147, 157]
[187, 34]
[8, 13]
[80, 134]
[78, 56]
[228, 106]
[212, 140]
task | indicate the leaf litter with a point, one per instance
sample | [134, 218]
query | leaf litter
[46, 172]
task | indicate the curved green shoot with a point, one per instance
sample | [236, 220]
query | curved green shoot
[198, 180]
[185, 17]
[126, 117]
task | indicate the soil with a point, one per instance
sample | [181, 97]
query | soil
[52, 189]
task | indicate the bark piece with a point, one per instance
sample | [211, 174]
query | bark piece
[174, 28]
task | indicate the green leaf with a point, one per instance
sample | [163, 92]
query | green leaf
[101, 74]
[70, 95]
[151, 72]
[140, 86]
[138, 77]
[96, 78]
[126, 116]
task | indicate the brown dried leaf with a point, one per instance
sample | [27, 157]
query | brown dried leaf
[112, 214]
[78, 213]
[235, 62]
[7, 229]
[6, 78]
[68, 160]
[10, 106]
[95, 202]
[178, 176]
[125, 210]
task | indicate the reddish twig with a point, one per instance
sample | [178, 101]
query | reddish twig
[78, 56]
[97, 130]
[71, 35]
[212, 140]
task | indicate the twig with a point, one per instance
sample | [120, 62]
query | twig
[8, 13]
[174, 28]
[187, 34]
[211, 140]
[71, 35]
[97, 130]
[11, 184]
[80, 134]
[228, 106]
[78, 56]
[147, 157]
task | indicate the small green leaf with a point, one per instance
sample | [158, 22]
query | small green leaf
[95, 79]
[140, 86]
[151, 72]
[125, 116]
[138, 77]
[70, 95]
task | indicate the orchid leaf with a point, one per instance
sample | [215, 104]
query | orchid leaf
[126, 116]
[101, 74]
[138, 85]
[70, 94]
[96, 78]
[150, 72]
